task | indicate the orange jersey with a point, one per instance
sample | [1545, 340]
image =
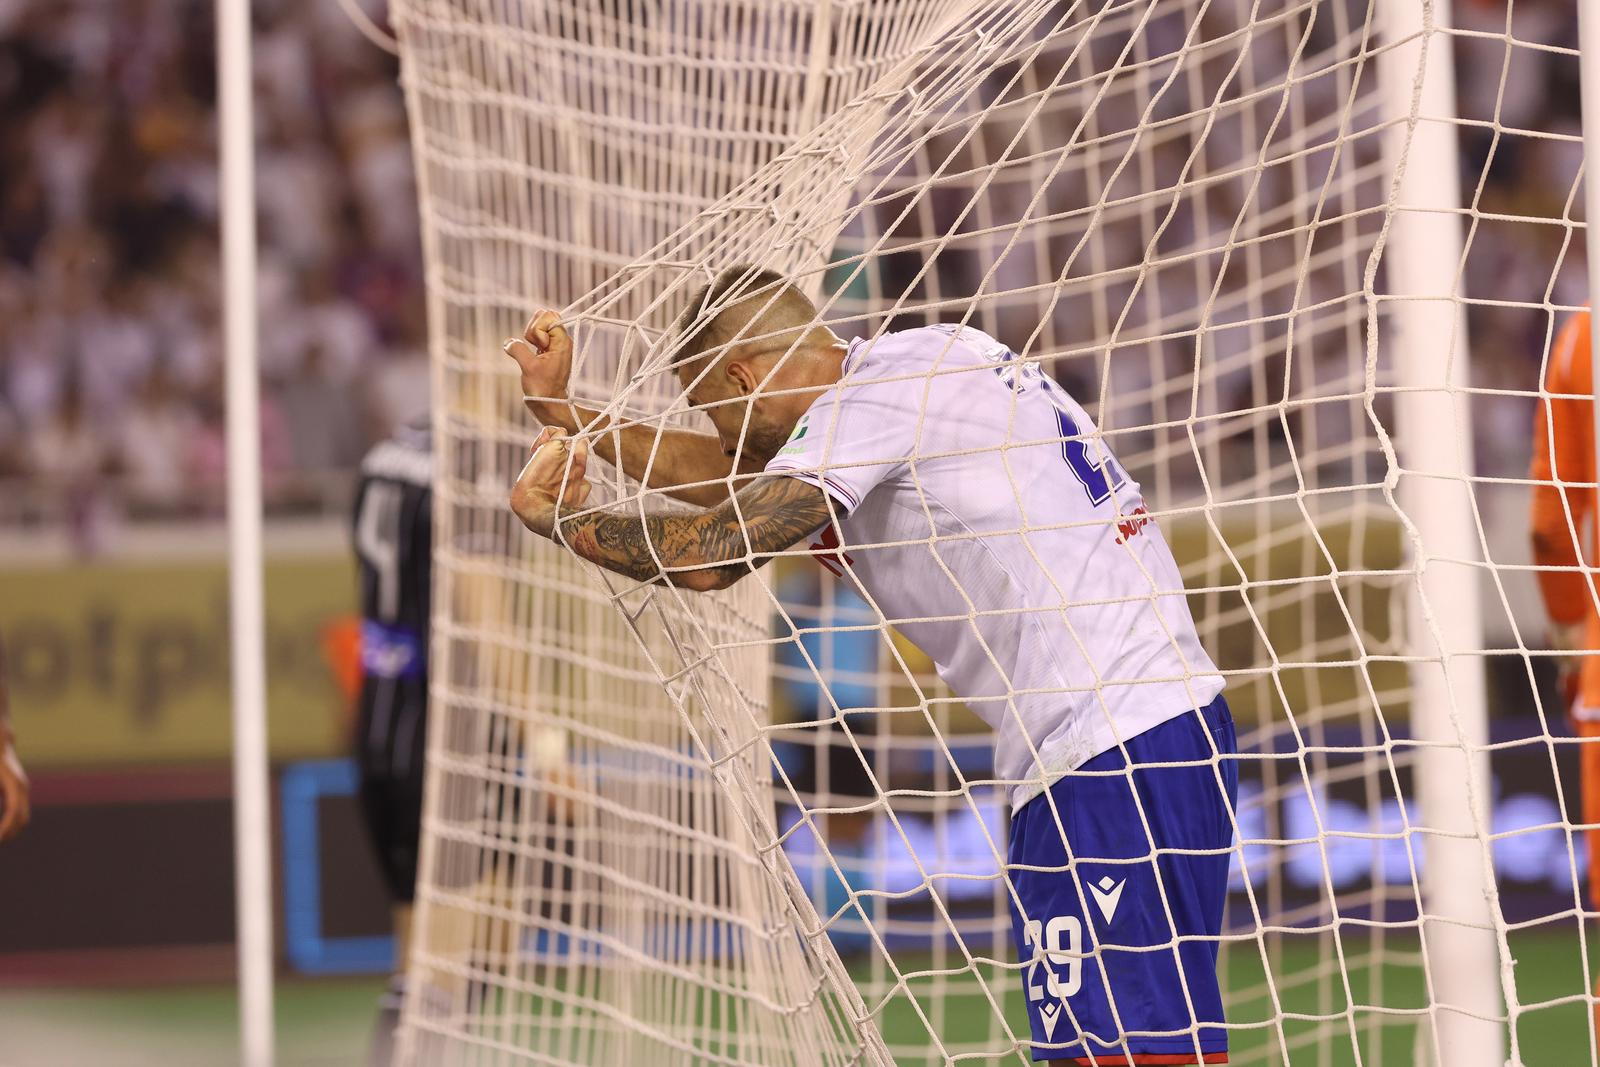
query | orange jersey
[1564, 533]
[1563, 474]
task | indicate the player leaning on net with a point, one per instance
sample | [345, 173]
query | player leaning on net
[1563, 510]
[976, 508]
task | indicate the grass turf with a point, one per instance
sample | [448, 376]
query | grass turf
[328, 1021]
[1317, 1022]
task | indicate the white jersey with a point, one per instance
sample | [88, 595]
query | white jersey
[982, 516]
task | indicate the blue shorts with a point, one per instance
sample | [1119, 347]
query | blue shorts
[1108, 969]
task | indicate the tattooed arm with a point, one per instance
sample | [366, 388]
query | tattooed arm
[687, 465]
[703, 550]
[710, 549]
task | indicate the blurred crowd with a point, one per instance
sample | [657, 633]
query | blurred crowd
[1518, 177]
[110, 282]
[110, 303]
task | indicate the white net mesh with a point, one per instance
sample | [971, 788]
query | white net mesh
[1207, 220]
[589, 896]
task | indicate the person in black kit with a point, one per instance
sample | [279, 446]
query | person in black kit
[394, 548]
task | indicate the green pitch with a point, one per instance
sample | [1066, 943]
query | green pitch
[327, 1022]
[1312, 999]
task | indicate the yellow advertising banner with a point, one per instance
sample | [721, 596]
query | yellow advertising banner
[126, 661]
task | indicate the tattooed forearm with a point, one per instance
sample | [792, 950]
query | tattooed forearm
[707, 550]
[637, 547]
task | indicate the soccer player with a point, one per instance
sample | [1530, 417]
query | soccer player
[975, 507]
[1563, 473]
[14, 802]
[394, 549]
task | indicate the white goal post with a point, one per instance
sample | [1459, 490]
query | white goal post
[756, 827]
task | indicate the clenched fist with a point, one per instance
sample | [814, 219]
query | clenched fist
[553, 477]
[544, 356]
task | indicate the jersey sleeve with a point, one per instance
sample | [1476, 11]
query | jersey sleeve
[1561, 471]
[853, 439]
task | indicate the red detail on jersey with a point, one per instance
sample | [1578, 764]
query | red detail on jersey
[828, 545]
[1137, 520]
[1152, 1058]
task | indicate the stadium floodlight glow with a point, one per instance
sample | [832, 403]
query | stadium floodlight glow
[755, 826]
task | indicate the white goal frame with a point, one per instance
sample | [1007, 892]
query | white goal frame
[252, 818]
[1464, 946]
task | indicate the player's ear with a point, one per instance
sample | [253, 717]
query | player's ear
[742, 376]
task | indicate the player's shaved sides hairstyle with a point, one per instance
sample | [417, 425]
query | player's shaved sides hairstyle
[741, 303]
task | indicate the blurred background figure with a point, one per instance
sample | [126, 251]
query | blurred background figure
[394, 544]
[833, 765]
[14, 807]
[1564, 537]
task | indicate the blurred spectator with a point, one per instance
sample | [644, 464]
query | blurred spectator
[110, 297]
[1520, 160]
[155, 440]
[325, 433]
[110, 281]
[206, 461]
[68, 454]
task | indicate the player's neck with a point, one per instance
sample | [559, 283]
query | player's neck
[808, 377]
[823, 370]
[829, 364]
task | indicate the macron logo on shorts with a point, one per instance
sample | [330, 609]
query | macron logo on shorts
[1106, 895]
[1049, 1014]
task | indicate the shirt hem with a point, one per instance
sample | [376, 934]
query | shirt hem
[1061, 758]
[1139, 1059]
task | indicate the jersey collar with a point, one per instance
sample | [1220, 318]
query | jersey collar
[857, 345]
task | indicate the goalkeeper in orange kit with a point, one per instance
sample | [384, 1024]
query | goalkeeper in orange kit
[1563, 520]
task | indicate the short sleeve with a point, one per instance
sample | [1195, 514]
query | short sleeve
[853, 439]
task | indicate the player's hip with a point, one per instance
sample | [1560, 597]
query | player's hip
[1170, 785]
[1120, 874]
[1114, 718]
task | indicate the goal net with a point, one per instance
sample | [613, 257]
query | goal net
[755, 826]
